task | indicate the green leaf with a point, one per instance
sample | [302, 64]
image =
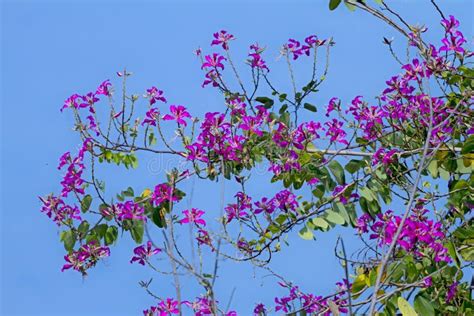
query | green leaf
[83, 227]
[333, 4]
[468, 146]
[86, 203]
[433, 169]
[320, 222]
[267, 102]
[111, 235]
[405, 308]
[137, 231]
[367, 194]
[334, 218]
[423, 306]
[337, 171]
[68, 238]
[306, 234]
[310, 107]
[353, 166]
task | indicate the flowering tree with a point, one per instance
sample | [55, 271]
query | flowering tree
[398, 172]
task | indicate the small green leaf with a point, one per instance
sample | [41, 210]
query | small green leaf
[337, 171]
[111, 235]
[423, 306]
[334, 218]
[306, 234]
[405, 308]
[367, 194]
[68, 238]
[333, 4]
[83, 227]
[468, 146]
[137, 231]
[310, 107]
[353, 166]
[320, 222]
[86, 203]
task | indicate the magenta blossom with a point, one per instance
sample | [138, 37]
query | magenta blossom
[213, 61]
[193, 216]
[71, 102]
[86, 257]
[155, 95]
[104, 89]
[142, 253]
[163, 193]
[223, 38]
[178, 114]
[151, 116]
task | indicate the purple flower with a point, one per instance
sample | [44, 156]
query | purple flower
[58, 211]
[178, 114]
[334, 104]
[293, 47]
[88, 101]
[163, 193]
[130, 210]
[71, 102]
[142, 253]
[211, 77]
[452, 291]
[213, 61]
[256, 61]
[151, 116]
[93, 125]
[223, 38]
[259, 310]
[104, 88]
[193, 216]
[86, 257]
[155, 95]
[168, 307]
[335, 131]
[203, 238]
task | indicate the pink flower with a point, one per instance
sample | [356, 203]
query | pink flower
[151, 116]
[155, 95]
[203, 238]
[163, 193]
[193, 216]
[223, 38]
[168, 307]
[213, 61]
[178, 114]
[130, 210]
[142, 253]
[104, 88]
[86, 257]
[71, 102]
[335, 131]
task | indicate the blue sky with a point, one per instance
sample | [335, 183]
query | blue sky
[52, 49]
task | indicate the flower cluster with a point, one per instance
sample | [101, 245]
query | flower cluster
[58, 211]
[72, 180]
[295, 48]
[419, 236]
[255, 60]
[164, 193]
[309, 303]
[88, 100]
[86, 257]
[129, 211]
[454, 38]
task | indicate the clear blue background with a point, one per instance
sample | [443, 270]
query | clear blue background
[51, 49]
